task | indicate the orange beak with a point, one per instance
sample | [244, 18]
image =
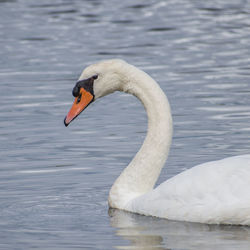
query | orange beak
[80, 103]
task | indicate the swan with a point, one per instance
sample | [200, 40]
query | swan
[216, 192]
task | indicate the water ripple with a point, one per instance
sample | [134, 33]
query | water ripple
[55, 181]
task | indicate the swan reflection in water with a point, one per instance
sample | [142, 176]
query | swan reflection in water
[145, 232]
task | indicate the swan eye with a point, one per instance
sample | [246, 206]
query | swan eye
[86, 84]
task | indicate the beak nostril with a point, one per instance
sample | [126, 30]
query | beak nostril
[79, 98]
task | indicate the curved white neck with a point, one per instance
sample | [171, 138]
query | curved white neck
[142, 173]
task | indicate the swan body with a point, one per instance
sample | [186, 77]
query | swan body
[215, 192]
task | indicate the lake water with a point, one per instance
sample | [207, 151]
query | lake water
[54, 181]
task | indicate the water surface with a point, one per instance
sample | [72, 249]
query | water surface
[54, 181]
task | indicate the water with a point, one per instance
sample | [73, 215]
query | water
[54, 181]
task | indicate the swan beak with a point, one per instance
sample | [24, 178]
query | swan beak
[80, 103]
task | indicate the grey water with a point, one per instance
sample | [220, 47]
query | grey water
[54, 181]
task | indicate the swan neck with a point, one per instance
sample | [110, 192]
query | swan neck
[140, 176]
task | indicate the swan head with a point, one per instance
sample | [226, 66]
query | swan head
[97, 80]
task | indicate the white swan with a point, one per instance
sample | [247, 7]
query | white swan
[213, 192]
